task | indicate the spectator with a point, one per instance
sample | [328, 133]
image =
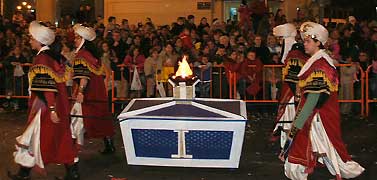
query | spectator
[250, 78]
[169, 60]
[121, 76]
[272, 45]
[178, 26]
[17, 18]
[371, 45]
[274, 76]
[165, 35]
[245, 15]
[280, 17]
[348, 44]
[118, 45]
[16, 81]
[136, 60]
[110, 27]
[191, 22]
[125, 24]
[186, 39]
[219, 75]
[99, 26]
[220, 56]
[89, 14]
[152, 67]
[203, 24]
[259, 9]
[80, 15]
[333, 45]
[179, 47]
[373, 85]
[202, 69]
[224, 41]
[261, 50]
[347, 78]
[364, 60]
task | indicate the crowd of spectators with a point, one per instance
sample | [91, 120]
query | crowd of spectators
[155, 50]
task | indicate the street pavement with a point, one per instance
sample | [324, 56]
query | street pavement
[258, 161]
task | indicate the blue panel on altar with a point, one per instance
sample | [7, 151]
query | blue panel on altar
[155, 143]
[199, 144]
[209, 144]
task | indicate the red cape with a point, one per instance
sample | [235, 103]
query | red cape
[95, 100]
[301, 149]
[55, 138]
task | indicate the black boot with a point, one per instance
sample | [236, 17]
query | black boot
[23, 174]
[109, 146]
[72, 172]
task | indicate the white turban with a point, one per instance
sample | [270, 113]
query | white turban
[315, 31]
[87, 33]
[285, 30]
[41, 33]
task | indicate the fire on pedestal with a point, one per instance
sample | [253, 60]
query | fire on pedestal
[183, 82]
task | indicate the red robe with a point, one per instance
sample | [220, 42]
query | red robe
[295, 59]
[301, 149]
[95, 108]
[56, 144]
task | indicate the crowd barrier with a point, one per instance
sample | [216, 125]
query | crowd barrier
[368, 98]
[271, 80]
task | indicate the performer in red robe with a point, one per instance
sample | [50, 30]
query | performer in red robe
[90, 92]
[293, 58]
[47, 138]
[315, 136]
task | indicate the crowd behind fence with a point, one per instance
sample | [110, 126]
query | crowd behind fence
[361, 96]
[213, 48]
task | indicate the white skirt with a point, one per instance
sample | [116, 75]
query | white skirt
[321, 144]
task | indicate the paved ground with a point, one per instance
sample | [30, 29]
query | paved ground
[258, 161]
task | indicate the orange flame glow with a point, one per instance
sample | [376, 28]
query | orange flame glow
[184, 69]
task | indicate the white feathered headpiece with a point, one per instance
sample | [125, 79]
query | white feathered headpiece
[315, 31]
[285, 30]
[87, 33]
[41, 33]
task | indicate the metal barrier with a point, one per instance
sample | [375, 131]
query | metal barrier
[367, 95]
[270, 79]
[362, 82]
[14, 88]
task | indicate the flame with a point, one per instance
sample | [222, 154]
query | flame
[184, 69]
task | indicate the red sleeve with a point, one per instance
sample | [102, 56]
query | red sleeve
[50, 98]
